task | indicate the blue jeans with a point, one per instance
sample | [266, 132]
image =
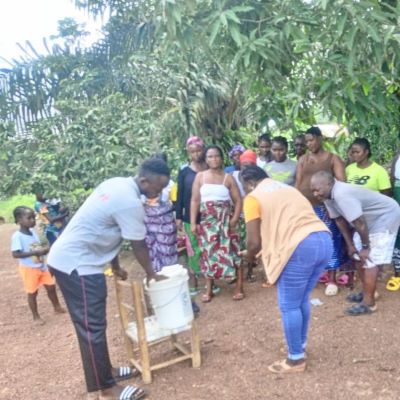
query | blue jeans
[295, 285]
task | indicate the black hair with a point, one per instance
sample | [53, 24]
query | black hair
[253, 173]
[161, 156]
[264, 138]
[19, 211]
[214, 147]
[154, 166]
[299, 136]
[314, 130]
[363, 142]
[280, 140]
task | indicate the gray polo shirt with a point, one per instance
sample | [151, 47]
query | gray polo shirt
[93, 237]
[381, 213]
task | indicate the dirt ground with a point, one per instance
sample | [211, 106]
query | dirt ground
[349, 358]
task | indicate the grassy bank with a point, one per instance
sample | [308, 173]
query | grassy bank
[7, 206]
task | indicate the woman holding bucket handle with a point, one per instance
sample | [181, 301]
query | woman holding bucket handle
[295, 244]
[195, 150]
[217, 196]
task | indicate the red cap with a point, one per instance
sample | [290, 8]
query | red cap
[248, 156]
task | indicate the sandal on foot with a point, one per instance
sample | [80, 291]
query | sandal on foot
[126, 373]
[393, 284]
[355, 297]
[283, 367]
[324, 278]
[358, 297]
[343, 280]
[331, 289]
[361, 309]
[129, 392]
[238, 296]
[216, 289]
[206, 298]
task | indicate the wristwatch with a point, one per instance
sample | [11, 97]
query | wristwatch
[365, 246]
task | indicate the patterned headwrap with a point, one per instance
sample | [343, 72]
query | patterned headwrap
[236, 148]
[194, 140]
[249, 156]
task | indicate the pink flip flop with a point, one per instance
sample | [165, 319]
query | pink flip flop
[324, 278]
[343, 280]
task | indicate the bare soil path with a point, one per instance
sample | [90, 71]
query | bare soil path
[349, 358]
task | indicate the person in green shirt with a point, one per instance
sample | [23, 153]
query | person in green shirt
[365, 172]
[281, 168]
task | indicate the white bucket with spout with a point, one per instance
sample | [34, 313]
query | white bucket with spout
[170, 298]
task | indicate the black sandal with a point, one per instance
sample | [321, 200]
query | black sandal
[355, 297]
[360, 309]
[126, 373]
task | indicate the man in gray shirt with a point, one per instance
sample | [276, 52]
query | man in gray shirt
[375, 219]
[92, 239]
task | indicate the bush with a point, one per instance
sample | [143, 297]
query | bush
[7, 205]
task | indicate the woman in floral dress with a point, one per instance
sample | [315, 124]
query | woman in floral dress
[217, 196]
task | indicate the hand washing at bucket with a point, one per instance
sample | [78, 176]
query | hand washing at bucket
[170, 298]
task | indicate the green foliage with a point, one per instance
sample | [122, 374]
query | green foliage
[220, 69]
[7, 205]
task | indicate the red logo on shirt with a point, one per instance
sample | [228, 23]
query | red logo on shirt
[105, 197]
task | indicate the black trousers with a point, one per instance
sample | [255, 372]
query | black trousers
[85, 297]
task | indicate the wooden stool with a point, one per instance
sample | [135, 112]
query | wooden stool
[138, 341]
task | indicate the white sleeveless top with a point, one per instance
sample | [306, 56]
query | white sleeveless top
[236, 176]
[214, 191]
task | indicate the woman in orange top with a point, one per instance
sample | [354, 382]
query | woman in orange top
[295, 245]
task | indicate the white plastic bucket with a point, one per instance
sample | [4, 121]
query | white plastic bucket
[170, 298]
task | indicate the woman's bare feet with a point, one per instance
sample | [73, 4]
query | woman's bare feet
[39, 321]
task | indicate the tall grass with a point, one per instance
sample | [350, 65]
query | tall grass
[7, 206]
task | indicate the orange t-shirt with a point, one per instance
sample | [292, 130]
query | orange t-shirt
[287, 218]
[251, 208]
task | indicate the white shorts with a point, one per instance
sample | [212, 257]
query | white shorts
[381, 247]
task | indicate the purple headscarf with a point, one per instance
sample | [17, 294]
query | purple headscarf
[236, 148]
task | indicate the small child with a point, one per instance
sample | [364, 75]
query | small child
[53, 216]
[25, 246]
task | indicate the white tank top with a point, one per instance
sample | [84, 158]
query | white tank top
[236, 175]
[214, 191]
